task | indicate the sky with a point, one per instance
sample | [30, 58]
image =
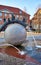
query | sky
[30, 6]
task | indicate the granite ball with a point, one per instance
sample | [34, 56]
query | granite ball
[15, 34]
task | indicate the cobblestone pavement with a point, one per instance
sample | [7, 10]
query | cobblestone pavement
[11, 60]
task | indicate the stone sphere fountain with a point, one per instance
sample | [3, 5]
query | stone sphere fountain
[15, 34]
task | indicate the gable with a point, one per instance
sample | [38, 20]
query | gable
[39, 12]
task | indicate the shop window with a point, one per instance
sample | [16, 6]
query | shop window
[20, 18]
[17, 17]
[0, 25]
[0, 19]
[10, 15]
[36, 26]
[0, 13]
[5, 14]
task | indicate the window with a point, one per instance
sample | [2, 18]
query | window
[20, 18]
[20, 12]
[40, 26]
[0, 19]
[0, 25]
[36, 26]
[39, 16]
[0, 13]
[10, 15]
[5, 14]
[17, 17]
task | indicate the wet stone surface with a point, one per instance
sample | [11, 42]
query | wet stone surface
[11, 60]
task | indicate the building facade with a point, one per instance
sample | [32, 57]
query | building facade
[36, 21]
[7, 11]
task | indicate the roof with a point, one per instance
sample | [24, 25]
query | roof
[37, 11]
[34, 18]
[13, 9]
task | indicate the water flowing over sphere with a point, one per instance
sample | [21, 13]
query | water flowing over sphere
[15, 34]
